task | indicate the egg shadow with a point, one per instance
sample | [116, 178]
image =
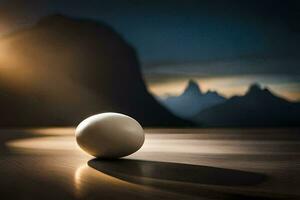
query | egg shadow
[122, 168]
[177, 177]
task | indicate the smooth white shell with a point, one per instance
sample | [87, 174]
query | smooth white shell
[110, 135]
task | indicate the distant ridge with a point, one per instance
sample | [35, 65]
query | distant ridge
[258, 107]
[191, 101]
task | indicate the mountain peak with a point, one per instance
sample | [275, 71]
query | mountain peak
[256, 89]
[192, 101]
[192, 87]
[255, 86]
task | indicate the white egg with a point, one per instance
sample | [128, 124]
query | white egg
[110, 135]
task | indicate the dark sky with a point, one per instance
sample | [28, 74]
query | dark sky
[178, 40]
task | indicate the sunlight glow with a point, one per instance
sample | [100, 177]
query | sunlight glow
[11, 68]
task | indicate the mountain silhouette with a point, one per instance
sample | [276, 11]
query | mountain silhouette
[258, 107]
[191, 101]
[63, 69]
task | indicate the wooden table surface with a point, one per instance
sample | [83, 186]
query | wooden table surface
[46, 163]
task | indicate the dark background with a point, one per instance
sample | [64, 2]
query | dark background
[224, 46]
